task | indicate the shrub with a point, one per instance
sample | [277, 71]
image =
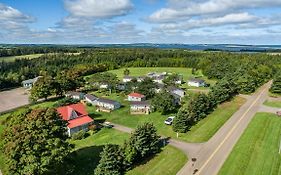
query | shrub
[79, 135]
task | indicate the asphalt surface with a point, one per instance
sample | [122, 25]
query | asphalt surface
[12, 99]
[211, 156]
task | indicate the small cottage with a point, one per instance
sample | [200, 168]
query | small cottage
[136, 97]
[140, 107]
[75, 95]
[29, 83]
[107, 105]
[127, 79]
[91, 99]
[196, 82]
[76, 116]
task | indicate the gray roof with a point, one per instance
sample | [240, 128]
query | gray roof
[33, 80]
[91, 97]
[108, 101]
[140, 103]
[196, 80]
[173, 88]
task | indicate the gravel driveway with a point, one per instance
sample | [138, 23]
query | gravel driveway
[12, 99]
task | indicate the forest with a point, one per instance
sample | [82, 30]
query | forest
[248, 70]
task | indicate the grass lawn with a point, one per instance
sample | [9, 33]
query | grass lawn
[87, 150]
[276, 104]
[257, 150]
[13, 58]
[201, 132]
[168, 162]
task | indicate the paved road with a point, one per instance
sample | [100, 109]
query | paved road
[269, 109]
[213, 153]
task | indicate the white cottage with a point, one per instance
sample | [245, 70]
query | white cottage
[196, 82]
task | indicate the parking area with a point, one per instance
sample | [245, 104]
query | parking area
[12, 99]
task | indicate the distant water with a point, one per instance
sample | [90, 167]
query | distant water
[222, 47]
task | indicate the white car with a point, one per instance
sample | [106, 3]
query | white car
[169, 120]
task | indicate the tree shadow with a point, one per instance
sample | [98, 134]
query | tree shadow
[86, 160]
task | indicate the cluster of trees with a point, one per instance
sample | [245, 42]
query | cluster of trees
[276, 84]
[199, 106]
[164, 102]
[46, 86]
[144, 142]
[35, 142]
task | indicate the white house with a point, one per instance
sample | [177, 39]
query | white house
[176, 90]
[107, 105]
[91, 99]
[75, 95]
[196, 82]
[29, 83]
[136, 97]
[140, 107]
[159, 79]
[76, 117]
[127, 79]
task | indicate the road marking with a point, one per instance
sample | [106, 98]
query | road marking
[229, 133]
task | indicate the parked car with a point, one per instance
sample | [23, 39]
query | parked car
[107, 125]
[169, 120]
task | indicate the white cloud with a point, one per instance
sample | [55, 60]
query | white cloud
[181, 10]
[98, 8]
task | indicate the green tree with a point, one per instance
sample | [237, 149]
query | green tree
[147, 87]
[276, 85]
[35, 143]
[164, 102]
[42, 88]
[183, 120]
[111, 162]
[170, 80]
[144, 141]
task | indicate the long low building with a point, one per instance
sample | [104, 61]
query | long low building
[102, 104]
[140, 107]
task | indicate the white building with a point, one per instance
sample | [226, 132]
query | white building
[75, 95]
[140, 107]
[107, 105]
[136, 97]
[29, 83]
[91, 99]
[196, 83]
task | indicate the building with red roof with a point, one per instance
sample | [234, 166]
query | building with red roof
[136, 97]
[76, 116]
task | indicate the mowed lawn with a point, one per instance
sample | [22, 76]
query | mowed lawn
[256, 152]
[275, 104]
[168, 162]
[13, 58]
[201, 132]
[142, 71]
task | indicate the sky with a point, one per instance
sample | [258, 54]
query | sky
[140, 21]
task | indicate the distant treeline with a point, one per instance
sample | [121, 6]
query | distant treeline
[27, 50]
[250, 70]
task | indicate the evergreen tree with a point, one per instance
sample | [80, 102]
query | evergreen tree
[126, 72]
[276, 85]
[183, 121]
[164, 102]
[111, 162]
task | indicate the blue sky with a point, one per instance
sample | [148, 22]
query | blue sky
[140, 21]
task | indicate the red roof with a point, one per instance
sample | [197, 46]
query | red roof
[79, 121]
[137, 95]
[66, 111]
[77, 111]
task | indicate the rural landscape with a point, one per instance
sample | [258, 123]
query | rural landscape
[109, 87]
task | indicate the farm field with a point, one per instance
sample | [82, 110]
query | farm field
[275, 104]
[13, 58]
[256, 152]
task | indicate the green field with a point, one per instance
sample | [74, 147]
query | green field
[142, 71]
[201, 132]
[256, 152]
[275, 104]
[13, 58]
[168, 162]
